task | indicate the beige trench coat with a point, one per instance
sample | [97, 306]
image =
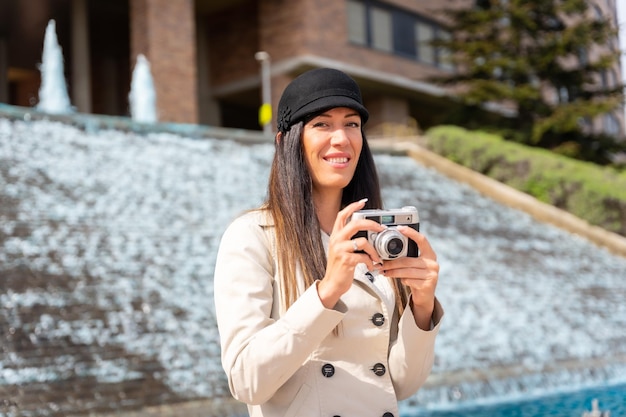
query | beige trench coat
[291, 363]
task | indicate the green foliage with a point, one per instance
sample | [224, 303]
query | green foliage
[594, 193]
[523, 55]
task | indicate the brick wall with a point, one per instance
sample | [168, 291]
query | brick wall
[164, 31]
[232, 42]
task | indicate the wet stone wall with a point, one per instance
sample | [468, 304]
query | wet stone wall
[107, 247]
[106, 255]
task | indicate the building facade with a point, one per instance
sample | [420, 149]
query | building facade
[202, 55]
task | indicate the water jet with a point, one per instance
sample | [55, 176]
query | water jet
[53, 96]
[142, 97]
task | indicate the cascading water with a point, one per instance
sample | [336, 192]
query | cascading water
[142, 97]
[53, 96]
[108, 241]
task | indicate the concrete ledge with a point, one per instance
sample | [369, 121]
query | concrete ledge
[504, 194]
[96, 122]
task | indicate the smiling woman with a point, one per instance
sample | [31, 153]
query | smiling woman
[311, 322]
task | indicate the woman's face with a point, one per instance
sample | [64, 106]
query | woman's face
[332, 144]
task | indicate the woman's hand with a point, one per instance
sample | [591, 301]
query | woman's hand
[420, 274]
[344, 253]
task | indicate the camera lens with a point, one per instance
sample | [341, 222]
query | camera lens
[395, 246]
[390, 244]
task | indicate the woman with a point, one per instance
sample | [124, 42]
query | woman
[312, 322]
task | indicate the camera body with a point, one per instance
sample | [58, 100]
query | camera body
[390, 243]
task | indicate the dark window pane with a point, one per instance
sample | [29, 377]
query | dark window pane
[404, 34]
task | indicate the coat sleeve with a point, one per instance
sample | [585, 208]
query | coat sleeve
[260, 353]
[412, 354]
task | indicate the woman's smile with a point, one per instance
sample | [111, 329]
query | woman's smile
[338, 160]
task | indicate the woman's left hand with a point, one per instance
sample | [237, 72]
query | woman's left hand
[420, 274]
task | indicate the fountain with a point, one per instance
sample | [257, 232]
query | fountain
[595, 411]
[53, 97]
[107, 247]
[142, 97]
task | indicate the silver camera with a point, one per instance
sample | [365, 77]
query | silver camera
[390, 243]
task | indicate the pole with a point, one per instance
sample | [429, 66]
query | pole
[265, 112]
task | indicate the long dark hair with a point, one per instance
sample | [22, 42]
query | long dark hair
[290, 203]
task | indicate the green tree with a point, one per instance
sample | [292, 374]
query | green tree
[546, 60]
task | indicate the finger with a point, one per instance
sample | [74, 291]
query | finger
[345, 227]
[409, 274]
[355, 245]
[419, 285]
[425, 250]
[361, 245]
[344, 215]
[406, 267]
[353, 227]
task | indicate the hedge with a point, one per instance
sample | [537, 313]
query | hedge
[591, 192]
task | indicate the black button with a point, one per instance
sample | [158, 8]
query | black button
[379, 369]
[388, 414]
[328, 370]
[378, 319]
[369, 276]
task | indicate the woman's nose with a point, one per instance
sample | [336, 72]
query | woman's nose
[339, 137]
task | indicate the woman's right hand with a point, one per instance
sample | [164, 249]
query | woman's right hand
[344, 253]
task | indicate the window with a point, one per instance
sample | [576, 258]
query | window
[598, 13]
[386, 28]
[381, 29]
[444, 58]
[404, 42]
[604, 79]
[611, 124]
[356, 23]
[425, 35]
[612, 79]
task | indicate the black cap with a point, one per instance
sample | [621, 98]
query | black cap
[317, 90]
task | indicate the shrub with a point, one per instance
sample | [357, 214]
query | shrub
[591, 192]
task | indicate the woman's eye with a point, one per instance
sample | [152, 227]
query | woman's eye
[319, 124]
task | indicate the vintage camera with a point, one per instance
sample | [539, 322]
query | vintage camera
[390, 243]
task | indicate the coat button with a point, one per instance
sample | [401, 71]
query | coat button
[369, 276]
[328, 370]
[388, 414]
[379, 369]
[378, 319]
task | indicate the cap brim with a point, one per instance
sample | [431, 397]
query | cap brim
[330, 102]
